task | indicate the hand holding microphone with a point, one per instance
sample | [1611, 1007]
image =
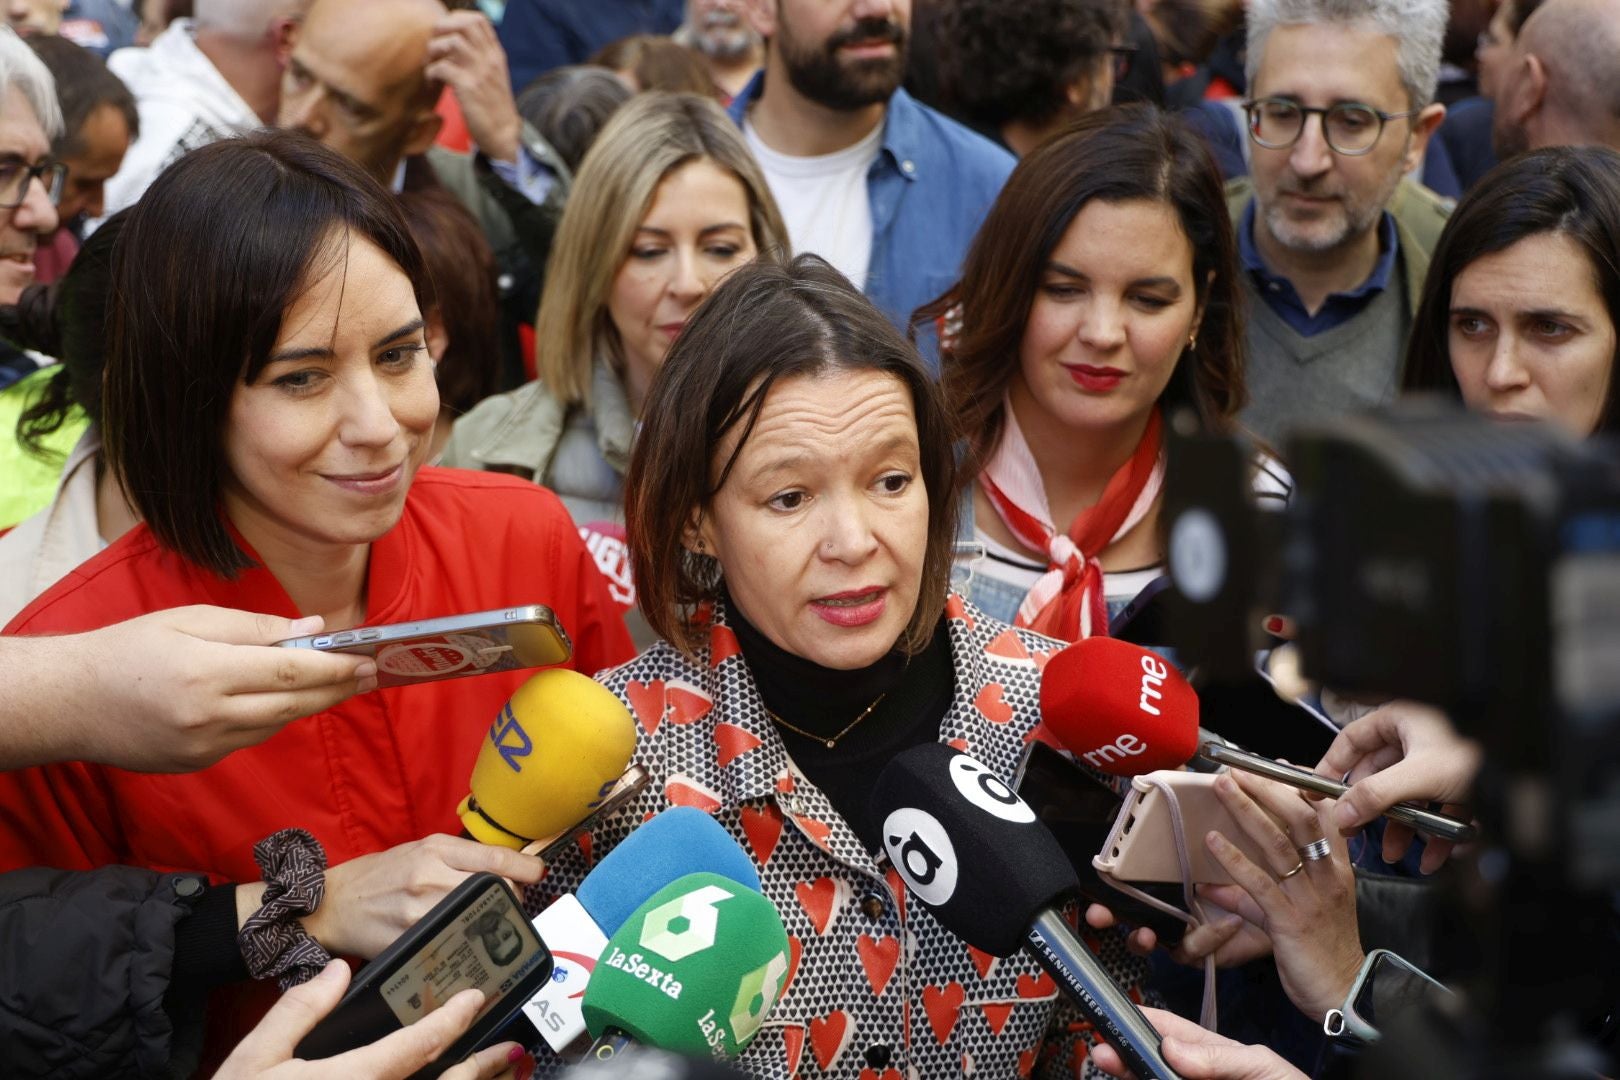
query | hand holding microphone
[1124, 711]
[1402, 751]
[1203, 1055]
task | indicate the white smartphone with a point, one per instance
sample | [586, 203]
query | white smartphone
[505, 639]
[1142, 844]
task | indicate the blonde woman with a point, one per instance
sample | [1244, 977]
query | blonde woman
[667, 202]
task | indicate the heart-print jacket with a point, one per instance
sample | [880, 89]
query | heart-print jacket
[877, 989]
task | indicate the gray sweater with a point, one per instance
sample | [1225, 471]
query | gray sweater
[1353, 366]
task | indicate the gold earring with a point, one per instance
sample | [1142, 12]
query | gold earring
[1192, 341]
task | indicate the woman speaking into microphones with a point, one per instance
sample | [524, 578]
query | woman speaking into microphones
[791, 506]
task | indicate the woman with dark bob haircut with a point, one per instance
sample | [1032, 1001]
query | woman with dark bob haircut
[791, 507]
[1100, 294]
[268, 406]
[1521, 305]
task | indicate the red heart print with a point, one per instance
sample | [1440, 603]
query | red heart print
[647, 701]
[943, 1004]
[1026, 1064]
[955, 608]
[763, 827]
[722, 645]
[793, 1047]
[795, 954]
[821, 900]
[687, 704]
[879, 957]
[991, 705]
[818, 831]
[1036, 986]
[733, 742]
[996, 1014]
[684, 791]
[829, 1036]
[1007, 646]
[983, 962]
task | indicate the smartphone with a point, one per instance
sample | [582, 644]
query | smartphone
[1080, 809]
[476, 937]
[1142, 621]
[1142, 844]
[1424, 821]
[623, 790]
[1387, 986]
[484, 642]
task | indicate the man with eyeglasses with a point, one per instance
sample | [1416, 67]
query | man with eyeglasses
[30, 181]
[1334, 242]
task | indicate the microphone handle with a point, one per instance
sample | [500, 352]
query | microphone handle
[610, 1044]
[1115, 1016]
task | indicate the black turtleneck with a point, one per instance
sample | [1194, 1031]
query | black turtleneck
[916, 693]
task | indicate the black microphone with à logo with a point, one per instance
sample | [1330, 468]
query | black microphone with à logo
[971, 850]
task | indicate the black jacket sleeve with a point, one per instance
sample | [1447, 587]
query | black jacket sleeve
[89, 981]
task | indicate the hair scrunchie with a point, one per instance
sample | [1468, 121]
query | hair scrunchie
[273, 942]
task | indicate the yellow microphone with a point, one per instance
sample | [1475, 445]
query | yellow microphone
[556, 750]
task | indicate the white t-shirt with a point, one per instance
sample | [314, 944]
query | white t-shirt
[823, 200]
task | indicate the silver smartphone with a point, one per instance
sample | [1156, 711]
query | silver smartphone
[480, 643]
[1426, 822]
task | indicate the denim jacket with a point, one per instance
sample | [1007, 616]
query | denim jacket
[930, 188]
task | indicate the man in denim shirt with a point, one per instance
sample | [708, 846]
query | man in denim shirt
[886, 189]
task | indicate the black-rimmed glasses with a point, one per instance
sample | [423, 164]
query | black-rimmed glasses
[16, 176]
[1349, 127]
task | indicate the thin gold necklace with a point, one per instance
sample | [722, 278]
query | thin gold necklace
[832, 742]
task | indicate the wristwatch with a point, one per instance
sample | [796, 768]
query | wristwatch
[1386, 985]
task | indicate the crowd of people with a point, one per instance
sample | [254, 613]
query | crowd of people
[814, 362]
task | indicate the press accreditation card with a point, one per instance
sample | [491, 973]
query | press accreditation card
[489, 947]
[475, 938]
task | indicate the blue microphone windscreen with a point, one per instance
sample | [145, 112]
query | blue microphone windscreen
[682, 840]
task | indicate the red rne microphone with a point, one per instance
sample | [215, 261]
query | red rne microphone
[1125, 711]
[1119, 708]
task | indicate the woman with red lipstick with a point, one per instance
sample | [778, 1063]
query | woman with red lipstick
[792, 508]
[667, 202]
[1520, 310]
[1100, 294]
[267, 409]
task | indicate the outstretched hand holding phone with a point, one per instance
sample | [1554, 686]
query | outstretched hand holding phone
[267, 1052]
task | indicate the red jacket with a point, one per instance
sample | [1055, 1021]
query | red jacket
[377, 770]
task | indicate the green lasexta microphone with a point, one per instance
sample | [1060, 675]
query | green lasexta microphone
[695, 970]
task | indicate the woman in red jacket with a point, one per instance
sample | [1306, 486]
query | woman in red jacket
[268, 408]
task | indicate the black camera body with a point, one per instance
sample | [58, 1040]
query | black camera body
[1432, 554]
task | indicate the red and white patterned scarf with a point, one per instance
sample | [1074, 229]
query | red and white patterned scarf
[1067, 601]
